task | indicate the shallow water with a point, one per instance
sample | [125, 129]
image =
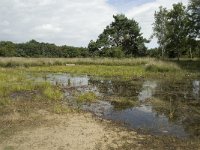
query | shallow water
[166, 108]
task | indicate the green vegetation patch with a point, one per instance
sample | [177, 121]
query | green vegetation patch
[162, 67]
[123, 102]
[87, 97]
[4, 101]
[53, 93]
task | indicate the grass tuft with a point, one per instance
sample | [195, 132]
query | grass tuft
[60, 109]
[52, 93]
[4, 101]
[87, 97]
[123, 102]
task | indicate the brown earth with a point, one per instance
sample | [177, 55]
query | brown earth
[45, 130]
[75, 131]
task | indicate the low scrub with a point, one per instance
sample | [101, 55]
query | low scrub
[87, 97]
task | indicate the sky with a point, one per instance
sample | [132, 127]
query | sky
[72, 22]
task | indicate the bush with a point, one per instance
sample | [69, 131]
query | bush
[112, 52]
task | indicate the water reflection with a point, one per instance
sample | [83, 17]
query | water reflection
[143, 117]
[67, 80]
[196, 89]
[148, 89]
[163, 107]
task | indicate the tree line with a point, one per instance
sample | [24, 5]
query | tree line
[37, 49]
[177, 31]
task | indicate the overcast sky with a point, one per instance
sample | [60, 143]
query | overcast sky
[72, 22]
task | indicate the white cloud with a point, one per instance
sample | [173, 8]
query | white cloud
[65, 21]
[49, 28]
[62, 21]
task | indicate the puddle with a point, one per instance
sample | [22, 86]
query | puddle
[196, 89]
[67, 80]
[162, 108]
[143, 117]
[148, 89]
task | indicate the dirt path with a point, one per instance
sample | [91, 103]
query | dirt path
[72, 132]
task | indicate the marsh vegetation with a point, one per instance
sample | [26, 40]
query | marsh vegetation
[153, 99]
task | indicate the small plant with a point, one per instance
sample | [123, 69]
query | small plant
[87, 97]
[59, 109]
[123, 102]
[53, 93]
[4, 101]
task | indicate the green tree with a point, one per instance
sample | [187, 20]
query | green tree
[194, 18]
[124, 33]
[7, 49]
[93, 48]
[177, 30]
[193, 25]
[160, 28]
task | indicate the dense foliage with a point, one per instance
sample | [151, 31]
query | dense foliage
[36, 49]
[121, 37]
[178, 30]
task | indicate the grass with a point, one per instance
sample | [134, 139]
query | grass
[123, 102]
[161, 66]
[14, 85]
[60, 109]
[126, 68]
[87, 97]
[28, 62]
[123, 72]
[52, 93]
[18, 94]
[5, 102]
[25, 97]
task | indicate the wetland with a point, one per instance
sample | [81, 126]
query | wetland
[136, 104]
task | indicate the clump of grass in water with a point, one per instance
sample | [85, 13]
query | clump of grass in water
[123, 102]
[52, 93]
[87, 97]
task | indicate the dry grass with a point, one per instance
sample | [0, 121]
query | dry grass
[19, 61]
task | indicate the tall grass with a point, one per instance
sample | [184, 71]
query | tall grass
[19, 61]
[161, 66]
[106, 67]
[13, 81]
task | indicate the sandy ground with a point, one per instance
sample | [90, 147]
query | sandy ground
[75, 131]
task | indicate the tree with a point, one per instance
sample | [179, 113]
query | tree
[93, 48]
[7, 49]
[193, 13]
[177, 30]
[194, 18]
[160, 28]
[124, 33]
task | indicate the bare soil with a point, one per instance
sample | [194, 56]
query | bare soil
[75, 131]
[45, 130]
